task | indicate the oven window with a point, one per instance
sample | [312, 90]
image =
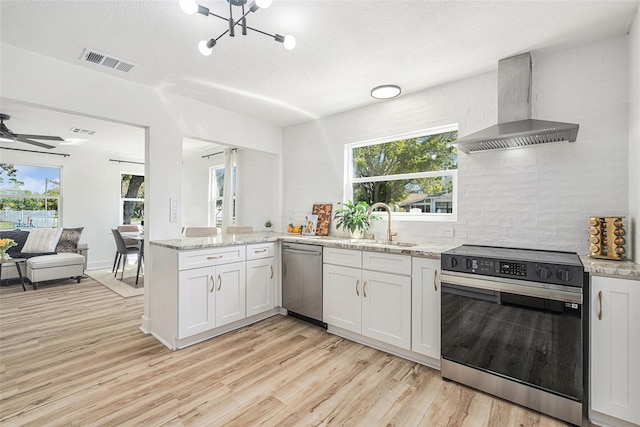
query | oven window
[533, 340]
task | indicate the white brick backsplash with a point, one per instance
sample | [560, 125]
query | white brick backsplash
[536, 197]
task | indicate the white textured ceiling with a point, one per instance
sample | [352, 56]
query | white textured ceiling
[344, 48]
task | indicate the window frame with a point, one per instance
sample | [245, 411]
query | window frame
[349, 179]
[213, 200]
[129, 199]
[57, 220]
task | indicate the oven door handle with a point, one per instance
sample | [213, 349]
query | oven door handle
[531, 289]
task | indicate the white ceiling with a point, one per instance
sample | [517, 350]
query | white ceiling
[344, 48]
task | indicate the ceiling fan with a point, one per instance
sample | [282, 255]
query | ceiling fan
[6, 134]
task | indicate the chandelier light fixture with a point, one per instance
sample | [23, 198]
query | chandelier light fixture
[206, 46]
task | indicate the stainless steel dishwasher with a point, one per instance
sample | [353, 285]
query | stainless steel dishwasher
[302, 282]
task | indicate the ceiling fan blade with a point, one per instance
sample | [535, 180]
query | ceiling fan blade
[43, 137]
[22, 138]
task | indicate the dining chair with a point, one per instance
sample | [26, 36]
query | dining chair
[199, 231]
[129, 229]
[123, 249]
[236, 229]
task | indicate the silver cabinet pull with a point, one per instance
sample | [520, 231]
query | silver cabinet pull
[213, 284]
[600, 300]
[259, 251]
[271, 272]
[364, 289]
[219, 282]
[357, 283]
[214, 257]
[435, 280]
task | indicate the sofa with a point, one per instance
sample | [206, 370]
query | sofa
[51, 254]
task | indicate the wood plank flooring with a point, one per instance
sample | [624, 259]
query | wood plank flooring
[73, 354]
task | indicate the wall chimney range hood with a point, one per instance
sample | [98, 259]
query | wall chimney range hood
[515, 126]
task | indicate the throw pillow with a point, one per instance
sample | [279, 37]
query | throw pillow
[18, 236]
[42, 240]
[69, 239]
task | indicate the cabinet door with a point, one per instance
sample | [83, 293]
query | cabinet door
[386, 308]
[615, 347]
[260, 286]
[425, 307]
[196, 301]
[230, 293]
[342, 287]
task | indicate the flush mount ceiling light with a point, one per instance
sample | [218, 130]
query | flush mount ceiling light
[385, 91]
[206, 46]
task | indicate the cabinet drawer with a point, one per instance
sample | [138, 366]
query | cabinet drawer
[387, 263]
[346, 257]
[260, 250]
[210, 256]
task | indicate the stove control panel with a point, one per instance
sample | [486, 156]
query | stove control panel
[559, 274]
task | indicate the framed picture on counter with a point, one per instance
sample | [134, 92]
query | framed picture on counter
[310, 225]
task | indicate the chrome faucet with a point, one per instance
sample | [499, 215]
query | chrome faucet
[390, 233]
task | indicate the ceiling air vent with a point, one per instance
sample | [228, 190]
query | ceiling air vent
[105, 60]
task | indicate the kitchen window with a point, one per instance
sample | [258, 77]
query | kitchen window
[29, 196]
[415, 174]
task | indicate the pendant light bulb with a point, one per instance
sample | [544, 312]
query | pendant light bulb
[263, 4]
[289, 42]
[206, 46]
[189, 6]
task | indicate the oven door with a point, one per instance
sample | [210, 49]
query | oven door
[523, 331]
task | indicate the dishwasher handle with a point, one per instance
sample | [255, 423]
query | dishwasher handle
[300, 251]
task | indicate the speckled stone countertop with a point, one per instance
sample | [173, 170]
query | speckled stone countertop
[603, 267]
[425, 250]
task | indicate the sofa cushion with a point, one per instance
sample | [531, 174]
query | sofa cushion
[42, 240]
[57, 260]
[69, 238]
[18, 236]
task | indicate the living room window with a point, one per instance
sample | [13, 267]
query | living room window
[29, 196]
[415, 174]
[132, 199]
[216, 187]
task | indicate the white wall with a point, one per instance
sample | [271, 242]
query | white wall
[534, 197]
[634, 135]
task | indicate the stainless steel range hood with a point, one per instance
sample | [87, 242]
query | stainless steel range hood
[515, 126]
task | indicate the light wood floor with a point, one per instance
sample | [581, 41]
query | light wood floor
[72, 354]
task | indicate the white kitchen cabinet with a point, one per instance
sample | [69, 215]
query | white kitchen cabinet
[230, 293]
[341, 290]
[386, 308]
[425, 300]
[261, 285]
[374, 304]
[196, 301]
[614, 351]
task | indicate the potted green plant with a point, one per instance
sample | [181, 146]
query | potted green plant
[353, 218]
[268, 224]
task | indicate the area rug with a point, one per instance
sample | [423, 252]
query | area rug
[123, 288]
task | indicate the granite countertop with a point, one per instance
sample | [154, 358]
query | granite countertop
[414, 249]
[603, 267]
[595, 266]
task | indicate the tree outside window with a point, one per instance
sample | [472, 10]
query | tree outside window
[414, 174]
[29, 196]
[132, 198]
[216, 194]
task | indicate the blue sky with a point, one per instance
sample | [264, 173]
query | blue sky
[33, 177]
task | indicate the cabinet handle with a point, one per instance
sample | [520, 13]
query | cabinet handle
[435, 280]
[357, 283]
[219, 282]
[213, 283]
[600, 300]
[214, 257]
[259, 251]
[271, 272]
[364, 289]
